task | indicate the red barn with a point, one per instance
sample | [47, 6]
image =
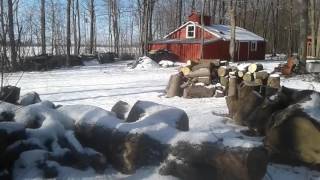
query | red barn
[186, 41]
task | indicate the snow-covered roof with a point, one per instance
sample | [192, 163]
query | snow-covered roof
[224, 31]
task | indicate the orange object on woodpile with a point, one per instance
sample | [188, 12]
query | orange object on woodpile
[289, 66]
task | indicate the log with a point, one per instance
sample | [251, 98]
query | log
[215, 161]
[223, 71]
[248, 77]
[206, 80]
[261, 75]
[241, 73]
[199, 73]
[202, 65]
[185, 70]
[274, 81]
[224, 81]
[255, 68]
[121, 109]
[174, 88]
[232, 88]
[198, 92]
[219, 93]
[10, 94]
[241, 107]
[213, 62]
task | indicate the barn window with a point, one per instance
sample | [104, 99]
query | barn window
[191, 31]
[254, 46]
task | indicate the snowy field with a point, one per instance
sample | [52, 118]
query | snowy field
[104, 85]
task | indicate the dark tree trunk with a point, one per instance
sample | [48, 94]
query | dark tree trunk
[92, 14]
[68, 33]
[303, 7]
[43, 28]
[11, 36]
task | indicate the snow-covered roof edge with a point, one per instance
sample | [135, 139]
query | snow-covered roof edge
[212, 30]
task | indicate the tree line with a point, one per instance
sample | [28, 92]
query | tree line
[126, 26]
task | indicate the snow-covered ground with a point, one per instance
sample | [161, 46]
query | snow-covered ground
[104, 85]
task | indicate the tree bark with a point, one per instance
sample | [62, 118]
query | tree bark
[11, 36]
[92, 18]
[313, 27]
[68, 33]
[303, 7]
[43, 28]
[4, 33]
[233, 33]
[79, 28]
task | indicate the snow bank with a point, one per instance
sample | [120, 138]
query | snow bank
[166, 63]
[146, 63]
[93, 62]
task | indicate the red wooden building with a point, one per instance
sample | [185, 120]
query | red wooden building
[186, 41]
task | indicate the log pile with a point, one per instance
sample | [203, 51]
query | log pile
[215, 78]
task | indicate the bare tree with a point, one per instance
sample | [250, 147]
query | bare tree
[43, 27]
[313, 26]
[233, 32]
[92, 19]
[79, 27]
[115, 26]
[11, 36]
[68, 33]
[3, 32]
[303, 6]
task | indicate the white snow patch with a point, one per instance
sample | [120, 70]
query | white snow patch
[312, 107]
[146, 63]
[166, 63]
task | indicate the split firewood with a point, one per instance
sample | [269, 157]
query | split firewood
[206, 80]
[261, 75]
[255, 68]
[202, 72]
[174, 88]
[258, 82]
[241, 73]
[232, 90]
[233, 74]
[198, 92]
[185, 70]
[219, 93]
[202, 65]
[223, 71]
[213, 62]
[274, 81]
[224, 81]
[248, 77]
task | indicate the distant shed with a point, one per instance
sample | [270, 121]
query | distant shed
[186, 41]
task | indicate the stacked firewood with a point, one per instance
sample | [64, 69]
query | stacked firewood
[215, 78]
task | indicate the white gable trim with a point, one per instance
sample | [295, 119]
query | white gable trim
[197, 25]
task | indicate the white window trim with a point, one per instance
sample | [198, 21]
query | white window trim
[255, 47]
[194, 31]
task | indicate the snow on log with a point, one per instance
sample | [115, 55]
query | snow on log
[174, 88]
[121, 109]
[174, 117]
[29, 98]
[255, 68]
